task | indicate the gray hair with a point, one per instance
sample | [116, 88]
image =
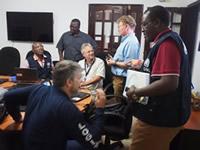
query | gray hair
[63, 71]
[84, 45]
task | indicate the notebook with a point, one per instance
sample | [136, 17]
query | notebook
[26, 75]
[139, 80]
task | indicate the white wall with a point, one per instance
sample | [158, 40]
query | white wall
[63, 12]
[196, 64]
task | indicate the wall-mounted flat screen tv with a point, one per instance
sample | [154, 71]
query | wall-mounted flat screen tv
[30, 26]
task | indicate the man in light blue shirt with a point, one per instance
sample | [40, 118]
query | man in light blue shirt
[127, 50]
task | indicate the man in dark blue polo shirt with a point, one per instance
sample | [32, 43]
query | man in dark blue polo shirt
[51, 118]
[71, 41]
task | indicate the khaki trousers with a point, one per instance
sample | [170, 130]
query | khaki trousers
[148, 137]
[118, 85]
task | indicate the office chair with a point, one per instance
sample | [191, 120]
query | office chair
[118, 121]
[9, 60]
[108, 74]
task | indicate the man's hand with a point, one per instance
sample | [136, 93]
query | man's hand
[109, 60]
[131, 93]
[134, 64]
[101, 99]
[61, 57]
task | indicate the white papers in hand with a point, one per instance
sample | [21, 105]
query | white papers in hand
[138, 79]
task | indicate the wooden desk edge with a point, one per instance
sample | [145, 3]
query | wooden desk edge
[9, 124]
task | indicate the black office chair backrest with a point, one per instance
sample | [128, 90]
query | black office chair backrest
[117, 118]
[9, 60]
[108, 74]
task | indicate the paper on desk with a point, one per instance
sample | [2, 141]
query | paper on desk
[139, 79]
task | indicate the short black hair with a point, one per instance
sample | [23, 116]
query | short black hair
[160, 13]
[76, 20]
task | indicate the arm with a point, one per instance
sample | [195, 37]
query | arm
[60, 47]
[121, 64]
[110, 61]
[167, 67]
[60, 52]
[93, 43]
[87, 134]
[165, 85]
[14, 98]
[93, 80]
[130, 51]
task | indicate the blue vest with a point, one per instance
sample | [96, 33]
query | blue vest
[43, 72]
[172, 109]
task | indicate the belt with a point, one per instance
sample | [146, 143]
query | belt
[119, 76]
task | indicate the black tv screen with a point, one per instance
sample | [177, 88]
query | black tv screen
[30, 26]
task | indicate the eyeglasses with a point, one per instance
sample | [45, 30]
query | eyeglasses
[146, 24]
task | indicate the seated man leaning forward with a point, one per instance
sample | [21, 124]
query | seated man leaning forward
[93, 68]
[51, 118]
[40, 60]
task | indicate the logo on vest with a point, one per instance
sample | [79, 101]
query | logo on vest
[146, 65]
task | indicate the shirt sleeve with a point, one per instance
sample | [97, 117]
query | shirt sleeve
[87, 134]
[131, 50]
[93, 43]
[60, 44]
[167, 60]
[16, 97]
[101, 69]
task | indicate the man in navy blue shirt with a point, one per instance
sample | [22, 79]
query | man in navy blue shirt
[51, 118]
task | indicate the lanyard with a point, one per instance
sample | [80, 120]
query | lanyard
[87, 70]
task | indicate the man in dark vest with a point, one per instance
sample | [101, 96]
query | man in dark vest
[41, 60]
[167, 108]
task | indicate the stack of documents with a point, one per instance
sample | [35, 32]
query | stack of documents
[139, 80]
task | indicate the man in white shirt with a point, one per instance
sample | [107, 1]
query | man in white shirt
[93, 68]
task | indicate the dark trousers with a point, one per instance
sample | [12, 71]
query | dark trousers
[74, 145]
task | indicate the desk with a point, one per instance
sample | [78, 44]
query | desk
[5, 77]
[8, 84]
[9, 124]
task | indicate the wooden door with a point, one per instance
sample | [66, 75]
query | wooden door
[103, 23]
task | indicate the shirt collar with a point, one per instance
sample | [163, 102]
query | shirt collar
[126, 36]
[35, 57]
[76, 35]
[161, 33]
